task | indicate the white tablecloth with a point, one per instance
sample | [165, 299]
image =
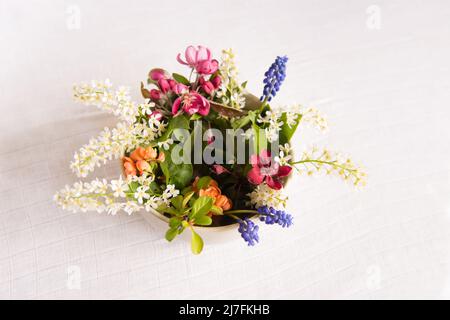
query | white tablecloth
[378, 69]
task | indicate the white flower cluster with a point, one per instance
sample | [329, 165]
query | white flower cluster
[292, 115]
[284, 156]
[323, 160]
[101, 94]
[230, 92]
[273, 119]
[108, 145]
[111, 144]
[263, 195]
[101, 196]
[309, 115]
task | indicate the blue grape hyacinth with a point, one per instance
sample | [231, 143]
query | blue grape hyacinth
[274, 77]
[248, 231]
[271, 216]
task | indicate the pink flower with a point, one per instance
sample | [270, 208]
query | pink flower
[191, 102]
[155, 94]
[207, 66]
[164, 85]
[264, 169]
[156, 74]
[178, 88]
[216, 82]
[200, 59]
[218, 169]
[207, 86]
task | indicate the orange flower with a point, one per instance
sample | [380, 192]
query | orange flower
[161, 157]
[223, 202]
[212, 191]
[142, 166]
[129, 166]
[143, 154]
[212, 183]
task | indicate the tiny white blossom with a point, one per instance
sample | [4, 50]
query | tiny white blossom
[119, 187]
[141, 194]
[263, 195]
[165, 144]
[170, 192]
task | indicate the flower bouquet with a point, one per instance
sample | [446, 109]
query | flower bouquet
[201, 151]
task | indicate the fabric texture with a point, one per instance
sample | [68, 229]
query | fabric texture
[379, 73]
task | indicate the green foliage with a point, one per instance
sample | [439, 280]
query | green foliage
[196, 242]
[181, 121]
[242, 122]
[201, 207]
[203, 220]
[216, 210]
[203, 182]
[178, 174]
[287, 131]
[181, 79]
[171, 234]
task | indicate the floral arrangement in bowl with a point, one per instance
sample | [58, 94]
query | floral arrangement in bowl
[201, 151]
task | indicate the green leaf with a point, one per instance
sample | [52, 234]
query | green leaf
[177, 202]
[181, 79]
[174, 223]
[165, 169]
[145, 93]
[187, 197]
[242, 122]
[201, 206]
[195, 116]
[287, 132]
[181, 121]
[181, 175]
[171, 234]
[169, 210]
[216, 210]
[203, 221]
[203, 182]
[178, 174]
[196, 242]
[185, 224]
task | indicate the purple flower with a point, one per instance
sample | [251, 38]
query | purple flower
[271, 216]
[248, 231]
[274, 77]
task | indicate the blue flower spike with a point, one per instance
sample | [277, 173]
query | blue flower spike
[269, 215]
[248, 231]
[274, 77]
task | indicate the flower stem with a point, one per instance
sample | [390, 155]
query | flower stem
[331, 163]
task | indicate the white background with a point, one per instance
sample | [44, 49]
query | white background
[385, 91]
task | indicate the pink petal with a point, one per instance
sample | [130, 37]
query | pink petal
[190, 55]
[254, 159]
[156, 74]
[204, 109]
[265, 157]
[284, 171]
[203, 53]
[218, 169]
[214, 66]
[176, 106]
[180, 60]
[191, 109]
[254, 176]
[273, 183]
